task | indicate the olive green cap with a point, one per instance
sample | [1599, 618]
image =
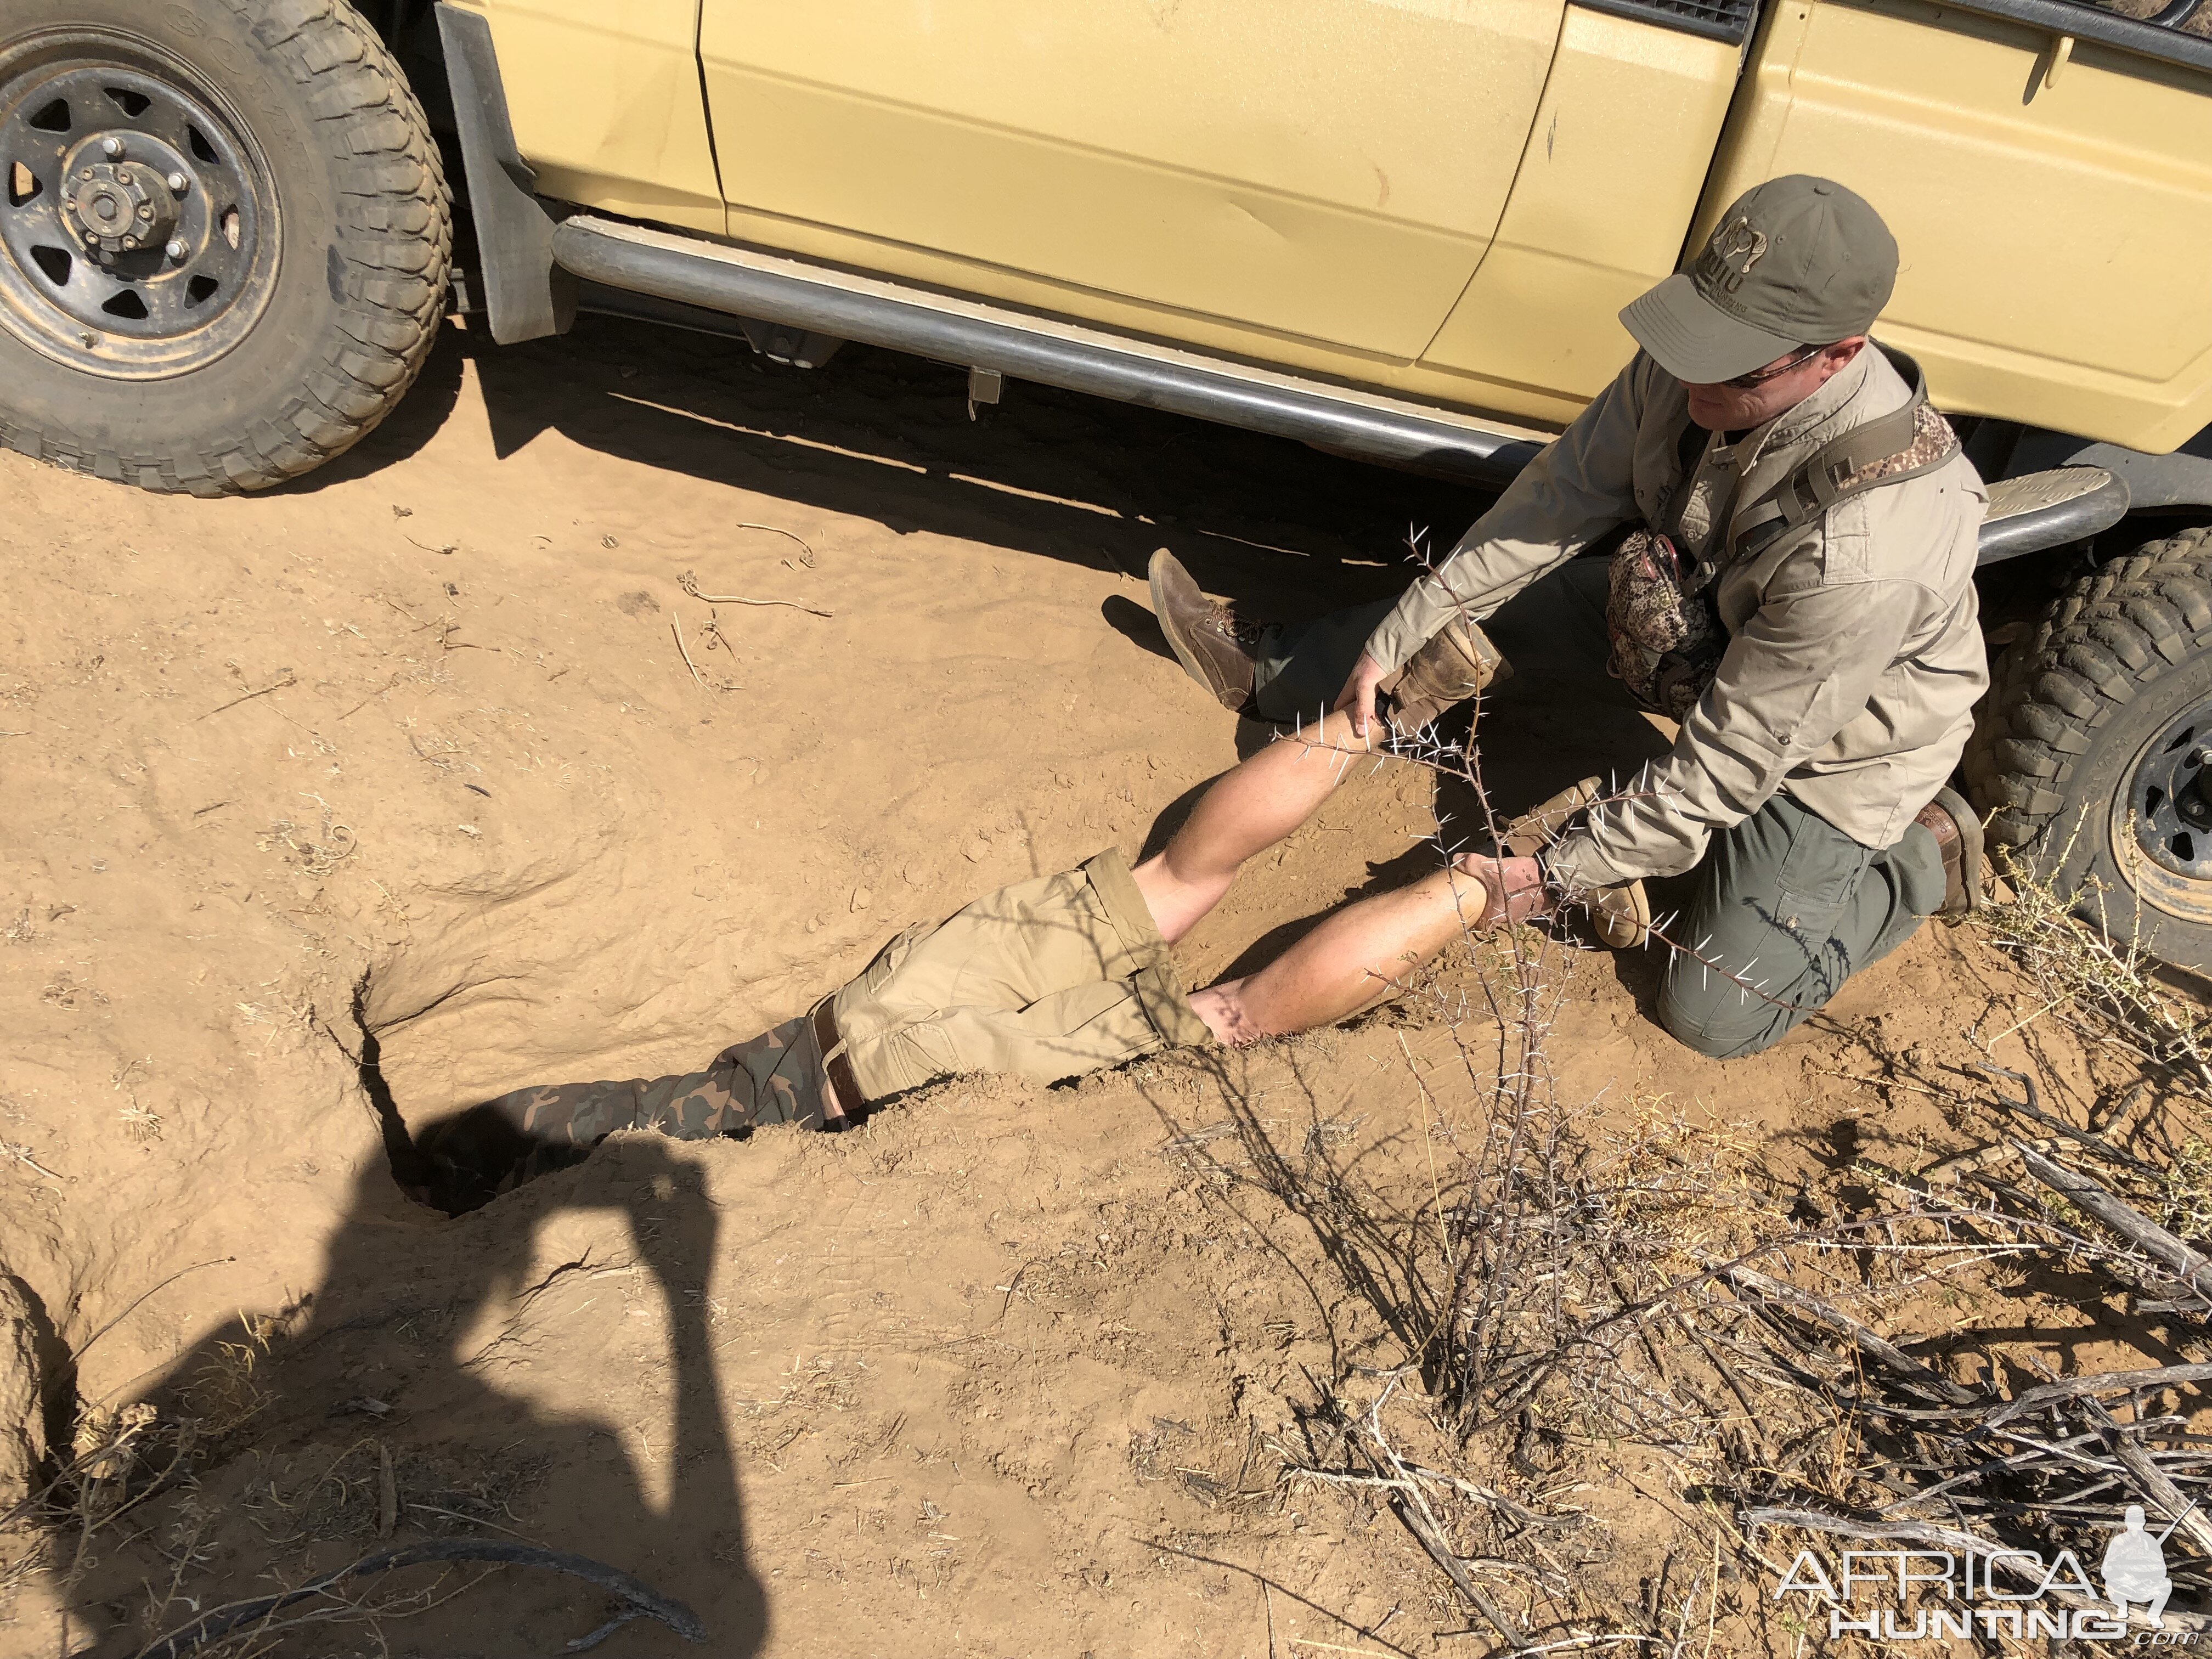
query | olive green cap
[1793, 262]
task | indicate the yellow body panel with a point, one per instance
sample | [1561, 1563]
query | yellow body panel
[2056, 238]
[605, 104]
[1446, 199]
[1606, 190]
[1326, 168]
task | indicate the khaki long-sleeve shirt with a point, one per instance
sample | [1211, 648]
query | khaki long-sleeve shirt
[1855, 657]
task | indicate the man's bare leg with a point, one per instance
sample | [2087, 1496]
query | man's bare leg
[1248, 811]
[1356, 957]
[1361, 954]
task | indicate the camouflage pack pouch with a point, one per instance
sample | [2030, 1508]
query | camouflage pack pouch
[1667, 640]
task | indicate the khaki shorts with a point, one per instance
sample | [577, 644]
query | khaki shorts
[1049, 979]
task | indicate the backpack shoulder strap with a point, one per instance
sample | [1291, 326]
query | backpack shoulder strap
[1887, 450]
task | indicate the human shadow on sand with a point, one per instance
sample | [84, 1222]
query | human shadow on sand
[396, 1355]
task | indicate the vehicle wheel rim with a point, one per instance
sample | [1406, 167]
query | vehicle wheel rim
[2162, 818]
[137, 218]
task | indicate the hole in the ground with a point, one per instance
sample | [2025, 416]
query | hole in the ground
[457, 1163]
[129, 303]
[199, 145]
[199, 288]
[53, 117]
[23, 184]
[55, 1383]
[54, 263]
[130, 103]
[369, 1066]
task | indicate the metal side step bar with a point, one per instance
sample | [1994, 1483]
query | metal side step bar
[743, 283]
[2047, 510]
[2041, 510]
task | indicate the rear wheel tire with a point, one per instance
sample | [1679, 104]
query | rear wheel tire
[2093, 753]
[289, 237]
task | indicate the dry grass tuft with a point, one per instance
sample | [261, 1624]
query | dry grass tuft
[2106, 988]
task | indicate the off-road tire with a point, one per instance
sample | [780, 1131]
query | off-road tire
[2122, 660]
[364, 238]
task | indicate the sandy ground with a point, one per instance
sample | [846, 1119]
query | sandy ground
[408, 754]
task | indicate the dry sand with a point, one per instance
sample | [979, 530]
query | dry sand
[408, 752]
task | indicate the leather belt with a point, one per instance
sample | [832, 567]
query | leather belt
[839, 1070]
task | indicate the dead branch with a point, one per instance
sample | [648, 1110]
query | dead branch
[276, 685]
[2087, 1196]
[219, 1621]
[2155, 1482]
[2031, 1108]
[1874, 1348]
[2075, 1388]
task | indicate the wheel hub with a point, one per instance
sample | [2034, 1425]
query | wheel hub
[117, 206]
[139, 234]
[2169, 797]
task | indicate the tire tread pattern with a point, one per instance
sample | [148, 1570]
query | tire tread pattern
[395, 224]
[2128, 623]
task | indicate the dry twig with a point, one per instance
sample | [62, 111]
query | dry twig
[219, 1621]
[689, 582]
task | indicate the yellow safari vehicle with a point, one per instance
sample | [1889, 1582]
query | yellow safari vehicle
[1398, 229]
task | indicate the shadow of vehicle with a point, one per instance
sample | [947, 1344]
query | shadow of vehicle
[885, 436]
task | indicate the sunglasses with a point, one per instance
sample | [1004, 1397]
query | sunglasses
[1759, 377]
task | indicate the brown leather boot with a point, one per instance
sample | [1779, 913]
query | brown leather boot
[1957, 834]
[1459, 663]
[1620, 916]
[1215, 648]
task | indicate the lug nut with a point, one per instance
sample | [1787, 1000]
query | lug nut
[176, 249]
[179, 183]
[111, 147]
[2201, 755]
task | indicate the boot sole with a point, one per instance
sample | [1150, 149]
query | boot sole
[1973, 871]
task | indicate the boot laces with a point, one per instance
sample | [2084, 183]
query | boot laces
[1223, 620]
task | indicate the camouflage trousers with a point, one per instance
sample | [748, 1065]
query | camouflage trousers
[775, 1077]
[1050, 978]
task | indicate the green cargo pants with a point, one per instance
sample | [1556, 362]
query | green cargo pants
[1784, 899]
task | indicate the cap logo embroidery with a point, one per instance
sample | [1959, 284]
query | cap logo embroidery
[1735, 249]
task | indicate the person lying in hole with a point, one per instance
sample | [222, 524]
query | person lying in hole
[1058, 976]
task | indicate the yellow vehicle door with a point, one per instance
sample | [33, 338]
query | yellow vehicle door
[1326, 168]
[2052, 199]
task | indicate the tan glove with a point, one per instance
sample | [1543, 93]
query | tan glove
[1620, 916]
[1459, 662]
